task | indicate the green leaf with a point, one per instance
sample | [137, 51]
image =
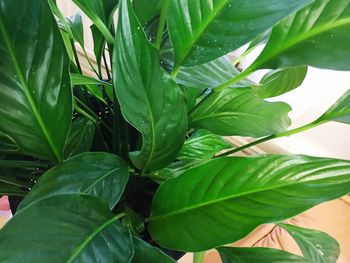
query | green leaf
[80, 137]
[68, 228]
[281, 81]
[229, 197]
[191, 96]
[88, 174]
[315, 245]
[146, 10]
[150, 100]
[204, 30]
[100, 12]
[99, 44]
[240, 112]
[202, 145]
[210, 75]
[35, 94]
[317, 36]
[145, 253]
[339, 112]
[76, 26]
[261, 255]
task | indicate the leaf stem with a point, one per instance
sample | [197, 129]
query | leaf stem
[273, 136]
[199, 257]
[161, 24]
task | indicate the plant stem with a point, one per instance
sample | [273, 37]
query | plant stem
[198, 257]
[106, 65]
[76, 57]
[161, 24]
[234, 80]
[90, 64]
[273, 136]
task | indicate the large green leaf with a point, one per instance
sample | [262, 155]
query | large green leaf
[280, 81]
[101, 13]
[145, 253]
[102, 175]
[80, 137]
[261, 255]
[315, 245]
[317, 36]
[227, 198]
[202, 145]
[339, 112]
[150, 100]
[204, 30]
[66, 228]
[210, 75]
[35, 94]
[240, 112]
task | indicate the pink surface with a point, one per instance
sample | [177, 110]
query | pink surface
[4, 204]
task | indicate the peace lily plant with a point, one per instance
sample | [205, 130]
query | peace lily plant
[123, 166]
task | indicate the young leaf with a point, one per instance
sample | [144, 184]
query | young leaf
[240, 112]
[281, 81]
[261, 255]
[68, 228]
[35, 94]
[317, 36]
[315, 245]
[339, 112]
[99, 44]
[100, 12]
[202, 145]
[145, 253]
[229, 197]
[87, 174]
[80, 137]
[76, 26]
[204, 30]
[150, 100]
[210, 75]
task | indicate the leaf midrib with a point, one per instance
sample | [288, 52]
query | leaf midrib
[195, 38]
[90, 237]
[27, 92]
[228, 114]
[307, 35]
[242, 194]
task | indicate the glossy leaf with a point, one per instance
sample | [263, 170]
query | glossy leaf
[99, 44]
[210, 75]
[80, 137]
[68, 228]
[150, 100]
[339, 112]
[261, 255]
[240, 112]
[88, 174]
[204, 30]
[145, 253]
[100, 12]
[315, 245]
[202, 145]
[35, 94]
[146, 10]
[229, 197]
[317, 36]
[76, 25]
[281, 81]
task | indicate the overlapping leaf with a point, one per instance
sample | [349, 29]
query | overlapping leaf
[227, 198]
[35, 94]
[150, 100]
[317, 36]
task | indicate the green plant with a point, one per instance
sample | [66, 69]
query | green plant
[121, 167]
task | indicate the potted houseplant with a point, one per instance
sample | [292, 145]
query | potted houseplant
[122, 167]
